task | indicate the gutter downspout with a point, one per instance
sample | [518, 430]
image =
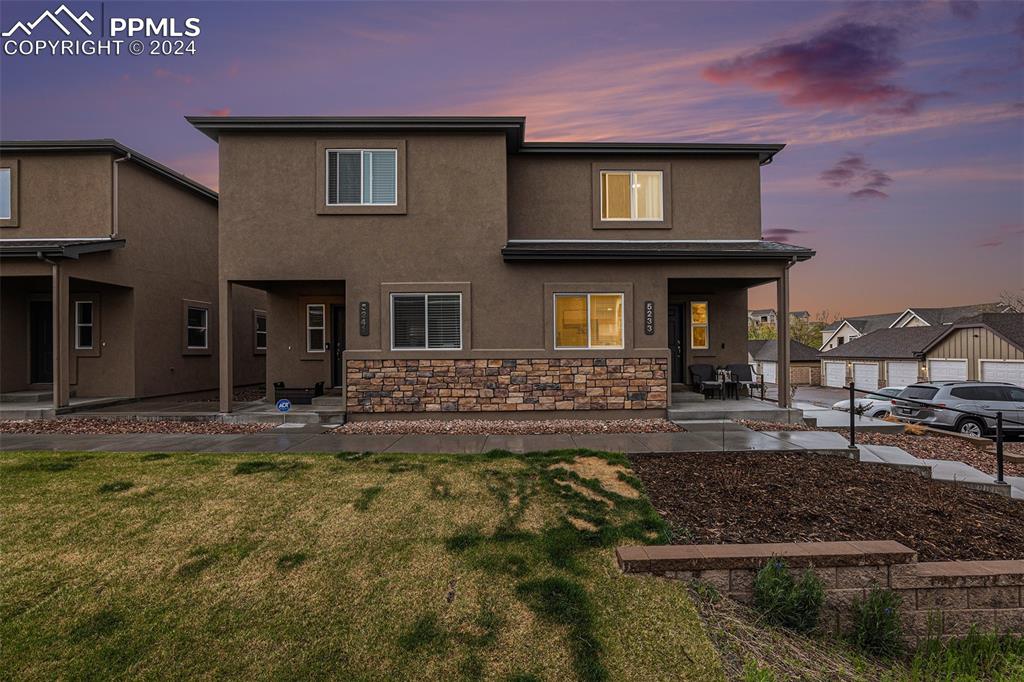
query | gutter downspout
[113, 195]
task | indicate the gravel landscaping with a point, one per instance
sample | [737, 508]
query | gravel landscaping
[507, 427]
[752, 497]
[923, 447]
[83, 425]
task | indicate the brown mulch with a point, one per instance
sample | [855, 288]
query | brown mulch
[84, 425]
[928, 446]
[753, 497]
[507, 427]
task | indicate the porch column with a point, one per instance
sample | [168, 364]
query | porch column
[61, 338]
[225, 345]
[782, 325]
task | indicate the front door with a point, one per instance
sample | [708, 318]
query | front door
[337, 345]
[40, 342]
[676, 334]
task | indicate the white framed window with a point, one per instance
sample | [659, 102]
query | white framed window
[426, 321]
[699, 325]
[589, 320]
[362, 177]
[260, 330]
[197, 327]
[632, 195]
[83, 325]
[5, 193]
[315, 328]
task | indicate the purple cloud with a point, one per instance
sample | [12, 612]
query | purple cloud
[853, 169]
[845, 170]
[868, 193]
[965, 9]
[848, 65]
[780, 234]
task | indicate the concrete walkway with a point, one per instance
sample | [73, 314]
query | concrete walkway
[280, 440]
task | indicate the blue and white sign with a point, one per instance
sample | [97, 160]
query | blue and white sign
[283, 405]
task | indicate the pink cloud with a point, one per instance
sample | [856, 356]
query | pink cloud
[847, 65]
[182, 78]
[223, 111]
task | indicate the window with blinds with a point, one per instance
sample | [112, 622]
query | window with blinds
[362, 177]
[426, 321]
[631, 195]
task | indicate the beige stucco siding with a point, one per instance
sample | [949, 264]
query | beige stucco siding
[975, 344]
[61, 195]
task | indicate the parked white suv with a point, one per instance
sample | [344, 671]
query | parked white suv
[983, 399]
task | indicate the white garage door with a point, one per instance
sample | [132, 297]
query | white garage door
[770, 370]
[1001, 370]
[835, 374]
[901, 373]
[865, 375]
[947, 370]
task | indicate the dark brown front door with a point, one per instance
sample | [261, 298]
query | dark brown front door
[337, 345]
[675, 343]
[40, 342]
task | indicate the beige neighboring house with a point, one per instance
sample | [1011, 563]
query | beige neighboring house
[445, 266]
[986, 347]
[767, 317]
[847, 329]
[108, 277]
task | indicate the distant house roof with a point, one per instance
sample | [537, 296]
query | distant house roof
[769, 350]
[949, 315]
[865, 324]
[1009, 326]
[903, 342]
[644, 249]
[761, 311]
[70, 247]
[111, 147]
[754, 345]
[513, 127]
[800, 313]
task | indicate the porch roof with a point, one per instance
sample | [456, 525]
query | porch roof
[62, 247]
[643, 249]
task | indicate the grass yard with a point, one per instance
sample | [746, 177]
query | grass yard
[377, 567]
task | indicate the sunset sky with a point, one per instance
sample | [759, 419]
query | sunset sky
[904, 121]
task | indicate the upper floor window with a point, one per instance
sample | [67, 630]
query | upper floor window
[362, 177]
[588, 320]
[83, 325]
[5, 193]
[631, 195]
[426, 321]
[197, 327]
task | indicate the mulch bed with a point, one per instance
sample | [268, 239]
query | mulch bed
[923, 447]
[753, 497]
[508, 427]
[84, 425]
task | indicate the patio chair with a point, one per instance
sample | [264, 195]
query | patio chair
[702, 377]
[745, 377]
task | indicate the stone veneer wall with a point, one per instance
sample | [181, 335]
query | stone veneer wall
[943, 598]
[506, 385]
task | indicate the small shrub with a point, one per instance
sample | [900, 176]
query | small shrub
[752, 672]
[794, 604]
[876, 626]
[975, 656]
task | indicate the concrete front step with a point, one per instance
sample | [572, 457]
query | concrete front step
[709, 410]
[27, 397]
[329, 401]
[687, 396]
[967, 476]
[893, 456]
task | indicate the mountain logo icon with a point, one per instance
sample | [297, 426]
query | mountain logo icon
[54, 17]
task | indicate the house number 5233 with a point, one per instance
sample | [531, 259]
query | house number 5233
[649, 318]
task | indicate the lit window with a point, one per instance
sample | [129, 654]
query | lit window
[315, 328]
[261, 330]
[196, 327]
[362, 177]
[631, 195]
[699, 325]
[426, 321]
[588, 320]
[83, 325]
[5, 193]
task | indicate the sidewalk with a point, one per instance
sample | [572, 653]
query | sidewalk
[710, 440]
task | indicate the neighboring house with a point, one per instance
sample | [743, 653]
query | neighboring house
[109, 276]
[850, 328]
[804, 367]
[847, 329]
[884, 357]
[767, 316]
[444, 265]
[986, 347]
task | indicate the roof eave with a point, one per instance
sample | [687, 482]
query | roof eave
[69, 251]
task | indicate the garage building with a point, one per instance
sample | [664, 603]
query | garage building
[804, 369]
[987, 347]
[886, 357]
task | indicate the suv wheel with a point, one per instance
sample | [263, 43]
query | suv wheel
[971, 427]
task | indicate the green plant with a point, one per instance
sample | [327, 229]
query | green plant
[752, 672]
[782, 600]
[975, 656]
[876, 626]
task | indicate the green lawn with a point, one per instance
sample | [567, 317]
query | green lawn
[319, 566]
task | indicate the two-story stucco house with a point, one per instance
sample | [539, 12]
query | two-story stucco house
[108, 277]
[445, 266]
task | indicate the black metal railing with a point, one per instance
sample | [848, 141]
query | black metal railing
[998, 414]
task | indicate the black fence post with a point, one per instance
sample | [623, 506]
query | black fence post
[853, 417]
[999, 447]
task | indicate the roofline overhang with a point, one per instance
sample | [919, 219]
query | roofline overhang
[57, 250]
[514, 128]
[108, 146]
[568, 252]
